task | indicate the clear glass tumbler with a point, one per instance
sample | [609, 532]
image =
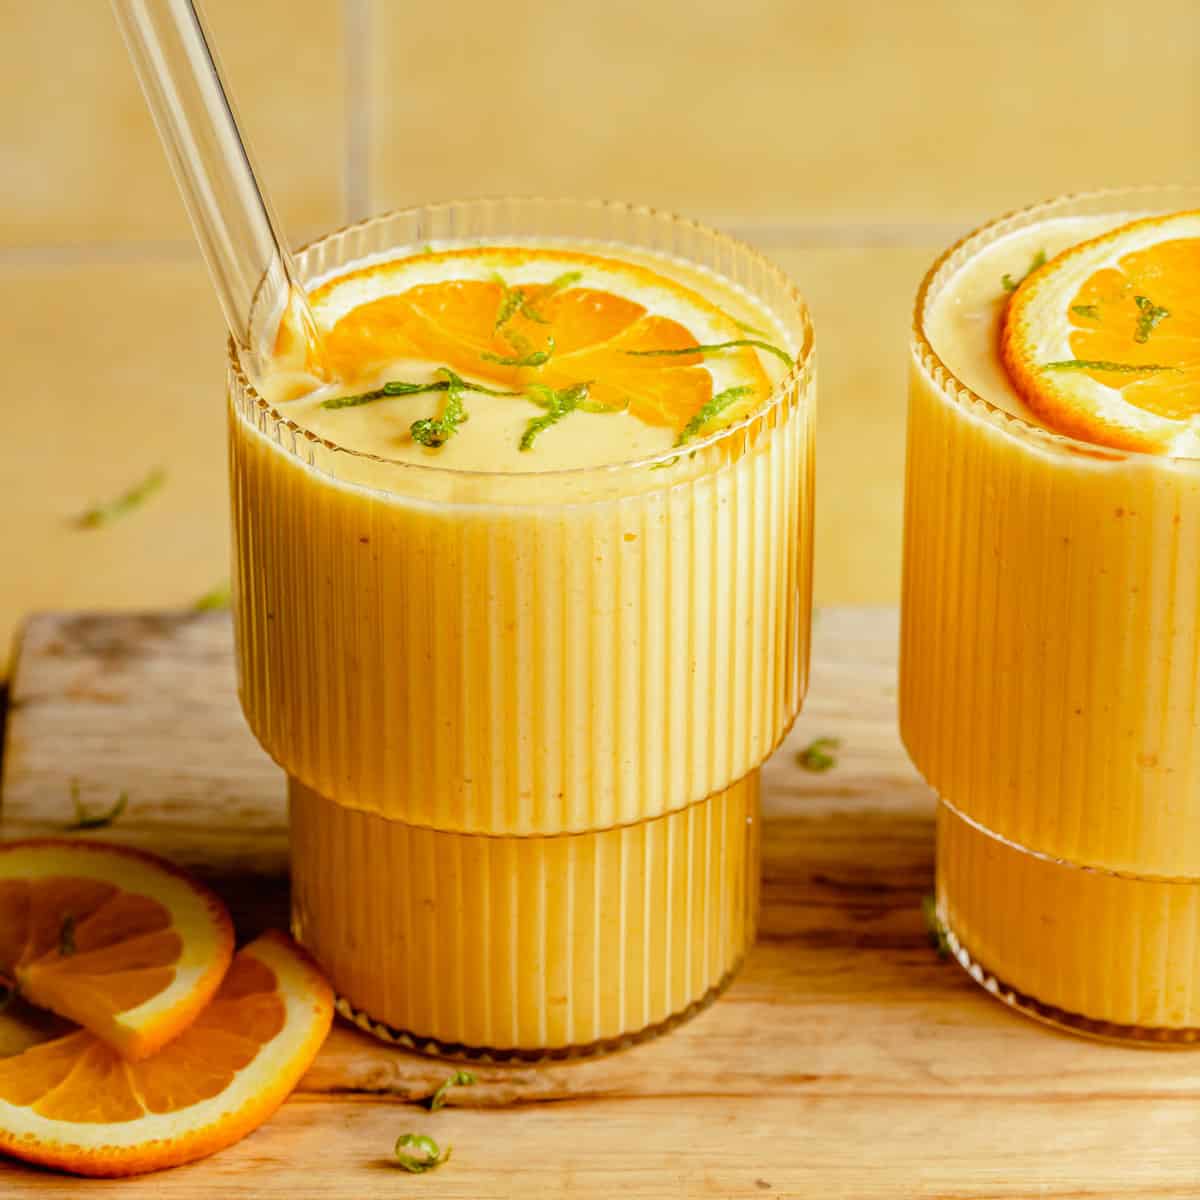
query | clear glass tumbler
[523, 715]
[1050, 690]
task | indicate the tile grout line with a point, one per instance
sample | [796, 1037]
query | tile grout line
[769, 235]
[357, 20]
[818, 235]
[93, 252]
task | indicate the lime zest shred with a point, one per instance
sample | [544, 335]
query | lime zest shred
[428, 1154]
[458, 1079]
[216, 598]
[87, 820]
[400, 387]
[818, 756]
[935, 929]
[717, 405]
[1097, 364]
[715, 347]
[524, 354]
[433, 431]
[122, 505]
[1009, 284]
[1150, 315]
[558, 404]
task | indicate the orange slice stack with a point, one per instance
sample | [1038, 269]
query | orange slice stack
[180, 1052]
[116, 941]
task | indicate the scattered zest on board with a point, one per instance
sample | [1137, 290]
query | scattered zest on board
[418, 1153]
[818, 756]
[458, 1079]
[86, 820]
[214, 599]
[934, 928]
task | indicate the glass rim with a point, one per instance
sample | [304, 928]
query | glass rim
[963, 396]
[790, 384]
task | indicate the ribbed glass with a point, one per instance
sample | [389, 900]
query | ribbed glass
[1050, 690]
[518, 654]
[523, 713]
[522, 946]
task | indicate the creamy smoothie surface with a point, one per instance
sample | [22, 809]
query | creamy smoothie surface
[964, 321]
[529, 359]
[1088, 326]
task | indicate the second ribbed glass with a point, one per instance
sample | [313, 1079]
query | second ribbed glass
[523, 714]
[1050, 689]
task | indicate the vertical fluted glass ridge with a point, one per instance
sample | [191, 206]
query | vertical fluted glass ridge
[526, 944]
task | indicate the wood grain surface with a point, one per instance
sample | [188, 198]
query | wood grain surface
[847, 1060]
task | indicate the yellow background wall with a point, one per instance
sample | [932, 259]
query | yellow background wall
[850, 141]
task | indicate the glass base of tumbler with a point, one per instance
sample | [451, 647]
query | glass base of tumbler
[1106, 956]
[519, 949]
[526, 1057]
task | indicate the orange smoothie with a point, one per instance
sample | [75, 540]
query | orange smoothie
[1050, 681]
[522, 629]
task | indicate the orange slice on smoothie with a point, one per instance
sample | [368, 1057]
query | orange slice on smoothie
[75, 1104]
[513, 317]
[115, 940]
[1103, 341]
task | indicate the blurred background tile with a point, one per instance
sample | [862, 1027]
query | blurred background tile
[78, 152]
[861, 299]
[851, 141]
[117, 371]
[825, 113]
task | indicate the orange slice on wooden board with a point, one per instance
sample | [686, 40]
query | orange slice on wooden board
[1103, 341]
[117, 941]
[73, 1103]
[621, 327]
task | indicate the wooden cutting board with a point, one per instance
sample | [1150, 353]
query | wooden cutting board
[846, 1061]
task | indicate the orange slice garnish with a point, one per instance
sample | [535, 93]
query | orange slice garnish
[75, 1104]
[115, 940]
[515, 316]
[1103, 341]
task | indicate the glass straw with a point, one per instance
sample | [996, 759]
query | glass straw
[231, 216]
